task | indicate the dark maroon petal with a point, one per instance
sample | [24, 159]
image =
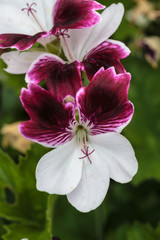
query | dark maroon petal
[49, 118]
[104, 102]
[64, 79]
[61, 79]
[19, 41]
[75, 13]
[106, 55]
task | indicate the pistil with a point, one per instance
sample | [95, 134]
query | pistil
[31, 10]
[67, 47]
[64, 34]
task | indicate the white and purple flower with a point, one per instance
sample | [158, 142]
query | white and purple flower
[86, 49]
[86, 133]
[25, 22]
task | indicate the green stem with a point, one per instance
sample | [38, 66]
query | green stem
[99, 223]
[50, 213]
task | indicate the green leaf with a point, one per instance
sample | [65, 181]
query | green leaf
[14, 81]
[20, 231]
[70, 224]
[136, 231]
[18, 181]
[2, 230]
[20, 201]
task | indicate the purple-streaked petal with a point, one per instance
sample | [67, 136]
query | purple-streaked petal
[62, 79]
[38, 70]
[59, 171]
[123, 51]
[106, 55]
[19, 41]
[118, 154]
[93, 185]
[106, 97]
[19, 62]
[50, 120]
[75, 14]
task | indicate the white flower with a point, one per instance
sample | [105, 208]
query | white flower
[86, 133]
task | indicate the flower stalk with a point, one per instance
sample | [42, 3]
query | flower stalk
[98, 215]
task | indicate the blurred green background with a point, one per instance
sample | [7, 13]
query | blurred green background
[130, 211]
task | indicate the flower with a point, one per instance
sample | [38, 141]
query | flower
[93, 47]
[86, 133]
[90, 47]
[22, 24]
[86, 49]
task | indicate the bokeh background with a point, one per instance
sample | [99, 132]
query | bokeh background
[130, 211]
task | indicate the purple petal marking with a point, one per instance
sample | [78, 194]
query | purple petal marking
[61, 79]
[106, 55]
[106, 97]
[75, 14]
[19, 41]
[50, 119]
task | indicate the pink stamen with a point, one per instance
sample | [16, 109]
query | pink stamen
[31, 10]
[64, 34]
[86, 153]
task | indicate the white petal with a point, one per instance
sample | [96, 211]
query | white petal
[14, 20]
[19, 62]
[111, 19]
[45, 40]
[93, 185]
[75, 43]
[118, 154]
[59, 171]
[44, 13]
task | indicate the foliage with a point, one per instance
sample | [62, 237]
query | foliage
[21, 204]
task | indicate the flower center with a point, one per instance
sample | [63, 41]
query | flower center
[81, 135]
[31, 10]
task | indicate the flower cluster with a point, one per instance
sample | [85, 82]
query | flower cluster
[83, 123]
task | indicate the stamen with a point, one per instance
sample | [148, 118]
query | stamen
[86, 153]
[31, 10]
[63, 33]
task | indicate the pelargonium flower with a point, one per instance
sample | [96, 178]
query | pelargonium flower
[24, 22]
[86, 49]
[88, 46]
[86, 134]
[93, 47]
